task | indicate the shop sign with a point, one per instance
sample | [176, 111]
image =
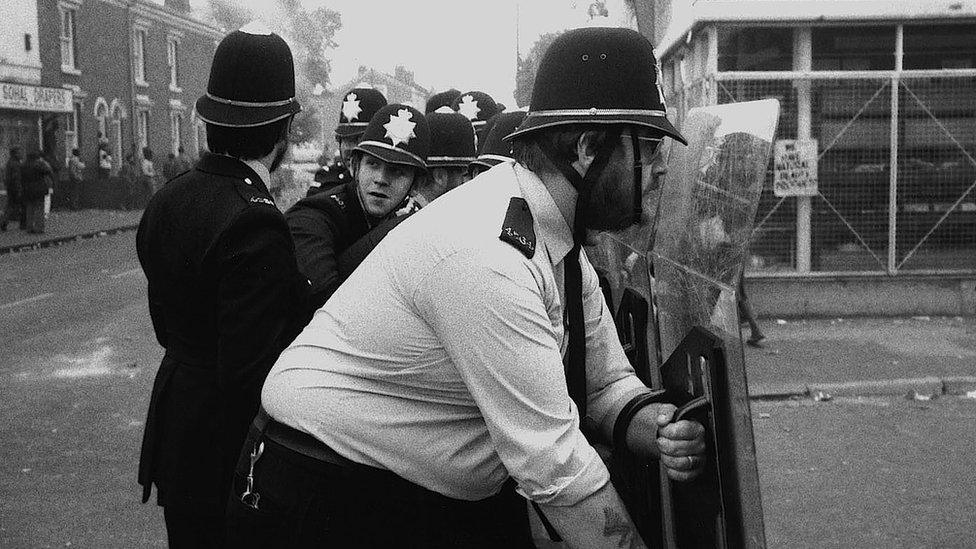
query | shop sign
[22, 97]
[795, 167]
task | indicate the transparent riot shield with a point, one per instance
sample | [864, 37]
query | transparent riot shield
[672, 284]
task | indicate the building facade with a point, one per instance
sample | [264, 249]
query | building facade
[134, 69]
[887, 91]
[27, 108]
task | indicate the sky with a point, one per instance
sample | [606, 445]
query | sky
[465, 44]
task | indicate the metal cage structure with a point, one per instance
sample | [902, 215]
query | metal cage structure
[896, 156]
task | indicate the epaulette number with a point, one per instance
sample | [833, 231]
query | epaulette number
[262, 200]
[513, 234]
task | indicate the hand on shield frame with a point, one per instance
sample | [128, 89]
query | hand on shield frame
[680, 445]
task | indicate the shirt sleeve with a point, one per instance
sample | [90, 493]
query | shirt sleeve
[487, 309]
[610, 378]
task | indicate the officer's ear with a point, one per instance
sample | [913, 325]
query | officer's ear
[586, 146]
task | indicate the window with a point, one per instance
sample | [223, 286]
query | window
[853, 48]
[69, 49]
[139, 55]
[142, 126]
[940, 46]
[101, 115]
[176, 131]
[173, 59]
[755, 49]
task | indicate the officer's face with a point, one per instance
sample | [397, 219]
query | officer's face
[382, 185]
[611, 205]
[346, 145]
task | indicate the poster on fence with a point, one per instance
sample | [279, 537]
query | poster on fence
[795, 167]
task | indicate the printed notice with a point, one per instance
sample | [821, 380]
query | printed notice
[795, 167]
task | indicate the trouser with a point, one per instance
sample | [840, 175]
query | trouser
[13, 212]
[188, 531]
[35, 215]
[307, 502]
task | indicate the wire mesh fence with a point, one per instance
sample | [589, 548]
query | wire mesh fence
[863, 218]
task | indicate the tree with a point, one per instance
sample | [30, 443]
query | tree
[527, 68]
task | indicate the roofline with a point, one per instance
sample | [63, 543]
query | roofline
[771, 13]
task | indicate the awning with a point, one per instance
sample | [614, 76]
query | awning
[24, 97]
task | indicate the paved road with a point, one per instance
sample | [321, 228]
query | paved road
[77, 358]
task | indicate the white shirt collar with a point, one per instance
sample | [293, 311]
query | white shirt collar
[549, 221]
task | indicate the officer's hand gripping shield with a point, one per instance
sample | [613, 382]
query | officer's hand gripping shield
[672, 283]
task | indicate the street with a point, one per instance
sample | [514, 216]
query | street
[79, 356]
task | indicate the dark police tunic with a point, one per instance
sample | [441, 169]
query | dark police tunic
[331, 175]
[324, 227]
[225, 297]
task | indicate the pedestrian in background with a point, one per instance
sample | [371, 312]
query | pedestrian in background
[170, 167]
[148, 171]
[14, 209]
[104, 161]
[225, 294]
[130, 195]
[183, 163]
[75, 179]
[37, 181]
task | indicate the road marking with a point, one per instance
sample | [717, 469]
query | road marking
[127, 273]
[26, 301]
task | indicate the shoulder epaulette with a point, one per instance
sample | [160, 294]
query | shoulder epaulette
[518, 229]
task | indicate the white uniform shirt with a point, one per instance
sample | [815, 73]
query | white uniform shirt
[440, 357]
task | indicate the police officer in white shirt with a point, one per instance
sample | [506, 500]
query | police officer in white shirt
[471, 350]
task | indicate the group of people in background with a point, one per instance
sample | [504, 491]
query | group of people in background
[28, 181]
[32, 179]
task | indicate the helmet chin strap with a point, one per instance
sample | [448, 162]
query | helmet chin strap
[584, 183]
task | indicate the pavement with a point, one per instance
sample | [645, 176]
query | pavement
[919, 357]
[67, 226]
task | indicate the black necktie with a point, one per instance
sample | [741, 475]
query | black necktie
[575, 360]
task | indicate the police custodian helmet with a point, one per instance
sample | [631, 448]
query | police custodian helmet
[598, 75]
[451, 139]
[358, 107]
[495, 150]
[397, 134]
[252, 80]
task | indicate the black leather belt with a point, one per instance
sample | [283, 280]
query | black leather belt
[299, 441]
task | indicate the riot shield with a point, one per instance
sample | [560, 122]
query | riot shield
[673, 285]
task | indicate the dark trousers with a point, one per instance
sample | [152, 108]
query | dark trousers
[185, 531]
[34, 212]
[309, 503]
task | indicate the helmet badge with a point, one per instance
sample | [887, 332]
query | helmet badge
[400, 129]
[469, 107]
[351, 108]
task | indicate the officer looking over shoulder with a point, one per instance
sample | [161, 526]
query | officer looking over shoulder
[358, 107]
[385, 165]
[473, 348]
[225, 293]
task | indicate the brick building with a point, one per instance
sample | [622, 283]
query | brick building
[134, 69]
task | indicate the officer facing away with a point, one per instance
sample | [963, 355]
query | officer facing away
[225, 294]
[463, 362]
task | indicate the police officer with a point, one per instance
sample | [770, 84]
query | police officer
[434, 378]
[385, 165]
[225, 293]
[441, 99]
[478, 107]
[451, 150]
[495, 149]
[358, 107]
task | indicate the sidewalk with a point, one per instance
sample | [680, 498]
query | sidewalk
[864, 356]
[64, 226]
